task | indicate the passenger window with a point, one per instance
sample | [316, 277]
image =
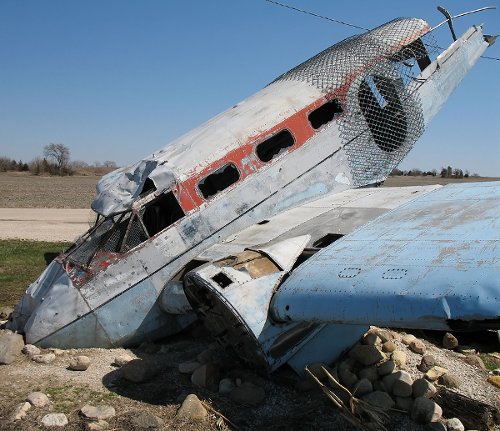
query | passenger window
[161, 213]
[272, 147]
[325, 113]
[219, 180]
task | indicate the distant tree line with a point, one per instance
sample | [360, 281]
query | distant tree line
[447, 172]
[55, 161]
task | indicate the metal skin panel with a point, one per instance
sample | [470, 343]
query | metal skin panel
[445, 73]
[336, 213]
[432, 263]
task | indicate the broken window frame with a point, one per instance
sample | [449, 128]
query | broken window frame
[262, 156]
[322, 112]
[158, 197]
[212, 176]
[130, 217]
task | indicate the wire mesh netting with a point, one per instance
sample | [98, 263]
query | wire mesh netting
[382, 112]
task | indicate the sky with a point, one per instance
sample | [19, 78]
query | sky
[119, 79]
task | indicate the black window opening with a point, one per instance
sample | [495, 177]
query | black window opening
[383, 111]
[222, 280]
[272, 147]
[219, 180]
[161, 213]
[148, 187]
[413, 51]
[325, 113]
[326, 240]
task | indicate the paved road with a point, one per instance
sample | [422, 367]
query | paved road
[43, 224]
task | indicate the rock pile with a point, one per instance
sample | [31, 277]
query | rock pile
[375, 371]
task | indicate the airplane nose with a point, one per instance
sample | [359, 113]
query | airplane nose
[49, 304]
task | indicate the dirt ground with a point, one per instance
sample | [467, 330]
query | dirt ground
[22, 190]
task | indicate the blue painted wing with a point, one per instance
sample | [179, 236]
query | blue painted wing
[432, 263]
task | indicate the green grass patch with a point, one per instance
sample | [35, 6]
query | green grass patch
[68, 398]
[490, 362]
[21, 262]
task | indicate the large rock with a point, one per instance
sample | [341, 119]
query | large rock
[11, 346]
[425, 411]
[38, 399]
[399, 383]
[366, 354]
[371, 339]
[389, 346]
[404, 403]
[399, 358]
[347, 377]
[5, 313]
[97, 426]
[426, 363]
[20, 411]
[423, 388]
[450, 341]
[386, 367]
[31, 350]
[379, 399]
[146, 420]
[407, 339]
[248, 393]
[435, 373]
[192, 408]
[227, 385]
[454, 424]
[79, 363]
[139, 370]
[494, 380]
[475, 361]
[206, 376]
[46, 358]
[383, 335]
[363, 387]
[417, 346]
[122, 359]
[450, 381]
[402, 387]
[97, 412]
[370, 373]
[55, 420]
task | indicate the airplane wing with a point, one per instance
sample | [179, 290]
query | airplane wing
[429, 261]
[325, 220]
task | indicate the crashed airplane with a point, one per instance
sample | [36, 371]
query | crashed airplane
[292, 168]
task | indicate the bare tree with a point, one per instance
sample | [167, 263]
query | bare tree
[59, 154]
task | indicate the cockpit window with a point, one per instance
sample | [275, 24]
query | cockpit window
[161, 213]
[96, 239]
[123, 232]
